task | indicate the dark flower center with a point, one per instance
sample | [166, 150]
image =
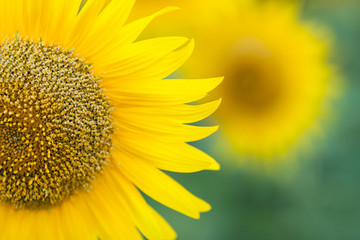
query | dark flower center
[55, 124]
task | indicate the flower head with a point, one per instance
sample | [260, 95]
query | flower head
[277, 79]
[87, 119]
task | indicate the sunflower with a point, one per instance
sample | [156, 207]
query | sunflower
[278, 79]
[87, 119]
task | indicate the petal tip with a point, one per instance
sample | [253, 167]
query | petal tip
[214, 165]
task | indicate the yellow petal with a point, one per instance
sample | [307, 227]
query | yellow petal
[175, 157]
[167, 231]
[83, 22]
[165, 130]
[183, 113]
[162, 92]
[112, 219]
[107, 24]
[161, 187]
[138, 208]
[161, 68]
[130, 32]
[135, 57]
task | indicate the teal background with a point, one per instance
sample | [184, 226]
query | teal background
[321, 198]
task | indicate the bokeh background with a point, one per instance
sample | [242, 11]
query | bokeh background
[314, 197]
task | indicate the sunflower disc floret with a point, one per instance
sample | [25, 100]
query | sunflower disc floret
[55, 124]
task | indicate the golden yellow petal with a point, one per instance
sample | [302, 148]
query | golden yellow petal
[160, 187]
[175, 157]
[161, 92]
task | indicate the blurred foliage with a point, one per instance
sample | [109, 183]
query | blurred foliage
[322, 199]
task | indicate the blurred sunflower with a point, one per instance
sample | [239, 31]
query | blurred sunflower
[87, 119]
[277, 78]
[277, 75]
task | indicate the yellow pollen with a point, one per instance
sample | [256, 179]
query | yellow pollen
[55, 124]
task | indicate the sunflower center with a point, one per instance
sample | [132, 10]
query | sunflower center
[256, 85]
[55, 124]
